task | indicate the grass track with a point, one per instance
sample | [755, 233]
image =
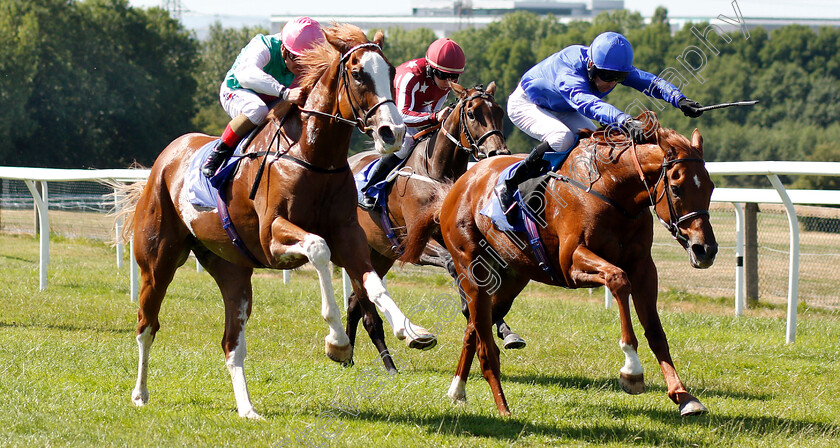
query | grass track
[68, 364]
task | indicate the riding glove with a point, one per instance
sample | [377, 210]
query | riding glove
[635, 128]
[690, 108]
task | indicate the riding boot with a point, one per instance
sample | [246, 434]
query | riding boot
[531, 166]
[386, 164]
[217, 156]
[235, 130]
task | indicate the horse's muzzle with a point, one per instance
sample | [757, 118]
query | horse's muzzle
[702, 256]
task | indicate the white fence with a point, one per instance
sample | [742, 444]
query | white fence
[736, 196]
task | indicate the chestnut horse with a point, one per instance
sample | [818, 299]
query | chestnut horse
[474, 127]
[303, 210]
[596, 231]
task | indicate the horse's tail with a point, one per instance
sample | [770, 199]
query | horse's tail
[425, 224]
[127, 196]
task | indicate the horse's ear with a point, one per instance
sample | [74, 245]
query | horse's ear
[379, 38]
[491, 88]
[697, 141]
[458, 89]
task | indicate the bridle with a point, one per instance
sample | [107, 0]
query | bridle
[673, 223]
[360, 116]
[464, 130]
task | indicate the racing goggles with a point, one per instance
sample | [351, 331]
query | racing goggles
[610, 75]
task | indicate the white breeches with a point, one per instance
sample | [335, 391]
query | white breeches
[559, 129]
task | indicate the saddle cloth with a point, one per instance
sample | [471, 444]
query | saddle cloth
[202, 191]
[514, 221]
[379, 190]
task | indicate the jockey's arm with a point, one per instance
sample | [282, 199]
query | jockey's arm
[654, 86]
[578, 94]
[406, 91]
[250, 74]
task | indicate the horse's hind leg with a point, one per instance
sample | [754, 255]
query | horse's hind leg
[644, 300]
[158, 253]
[235, 284]
[290, 241]
[510, 340]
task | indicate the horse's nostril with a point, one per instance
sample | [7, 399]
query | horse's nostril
[712, 250]
[387, 134]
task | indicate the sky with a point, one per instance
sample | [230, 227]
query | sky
[676, 8]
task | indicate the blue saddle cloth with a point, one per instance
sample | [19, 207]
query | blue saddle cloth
[202, 191]
[379, 190]
[515, 221]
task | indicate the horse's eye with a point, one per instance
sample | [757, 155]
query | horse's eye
[356, 75]
[675, 190]
[471, 115]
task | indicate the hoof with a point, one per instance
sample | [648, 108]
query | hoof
[513, 341]
[140, 398]
[692, 407]
[632, 384]
[457, 398]
[251, 415]
[420, 339]
[342, 354]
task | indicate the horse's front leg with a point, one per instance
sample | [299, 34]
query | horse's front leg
[352, 253]
[588, 267]
[289, 244]
[644, 299]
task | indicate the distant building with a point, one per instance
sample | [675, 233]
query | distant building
[444, 17]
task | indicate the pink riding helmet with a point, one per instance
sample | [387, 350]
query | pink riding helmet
[301, 34]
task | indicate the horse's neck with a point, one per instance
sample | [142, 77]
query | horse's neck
[447, 161]
[324, 141]
[618, 173]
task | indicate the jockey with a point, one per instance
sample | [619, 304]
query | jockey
[422, 86]
[562, 94]
[264, 71]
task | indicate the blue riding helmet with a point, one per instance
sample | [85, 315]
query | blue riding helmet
[611, 51]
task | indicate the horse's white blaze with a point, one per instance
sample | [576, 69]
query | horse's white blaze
[697, 181]
[140, 394]
[316, 249]
[375, 65]
[457, 390]
[632, 364]
[235, 363]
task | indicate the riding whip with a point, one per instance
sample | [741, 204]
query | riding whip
[722, 105]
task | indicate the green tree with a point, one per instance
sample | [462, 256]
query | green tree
[108, 84]
[402, 45]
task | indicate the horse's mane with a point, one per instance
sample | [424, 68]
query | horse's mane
[317, 60]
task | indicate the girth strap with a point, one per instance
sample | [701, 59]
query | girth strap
[227, 224]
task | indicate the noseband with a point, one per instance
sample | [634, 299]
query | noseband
[464, 130]
[673, 224]
[360, 116]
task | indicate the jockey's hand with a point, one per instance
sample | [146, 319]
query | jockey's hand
[690, 107]
[441, 115]
[635, 128]
[295, 95]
